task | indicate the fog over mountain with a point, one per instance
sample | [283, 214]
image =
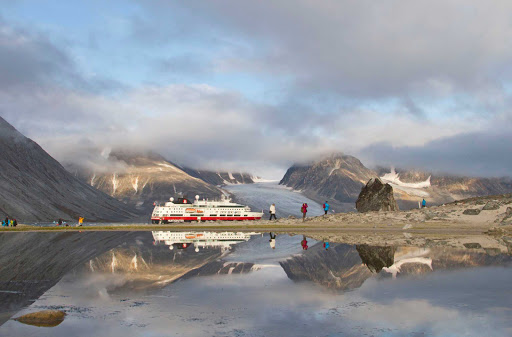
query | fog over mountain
[214, 86]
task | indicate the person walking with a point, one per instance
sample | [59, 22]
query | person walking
[273, 212]
[304, 210]
[326, 207]
[272, 240]
[423, 203]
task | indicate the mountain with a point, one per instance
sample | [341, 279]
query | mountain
[140, 179]
[339, 179]
[34, 262]
[220, 178]
[35, 187]
[411, 185]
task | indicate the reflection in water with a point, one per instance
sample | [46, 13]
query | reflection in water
[236, 285]
[183, 240]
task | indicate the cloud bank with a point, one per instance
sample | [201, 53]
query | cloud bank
[257, 86]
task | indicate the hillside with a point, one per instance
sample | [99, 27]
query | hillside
[35, 187]
[140, 179]
[220, 178]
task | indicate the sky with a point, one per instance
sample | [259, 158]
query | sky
[257, 86]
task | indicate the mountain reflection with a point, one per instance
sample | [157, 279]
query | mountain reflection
[150, 280]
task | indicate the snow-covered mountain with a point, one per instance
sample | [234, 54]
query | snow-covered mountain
[340, 177]
[140, 179]
[35, 187]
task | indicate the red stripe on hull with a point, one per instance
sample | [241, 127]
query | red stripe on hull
[205, 218]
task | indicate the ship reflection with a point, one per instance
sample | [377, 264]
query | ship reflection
[201, 240]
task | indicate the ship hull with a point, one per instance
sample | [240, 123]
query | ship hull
[203, 218]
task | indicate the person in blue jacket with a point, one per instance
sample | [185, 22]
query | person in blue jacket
[326, 207]
[423, 203]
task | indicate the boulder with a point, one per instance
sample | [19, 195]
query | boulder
[45, 318]
[491, 206]
[376, 258]
[376, 196]
[471, 211]
[472, 245]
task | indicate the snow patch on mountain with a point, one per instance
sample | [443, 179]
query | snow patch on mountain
[415, 189]
[394, 178]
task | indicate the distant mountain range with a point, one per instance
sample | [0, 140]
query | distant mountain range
[35, 187]
[339, 179]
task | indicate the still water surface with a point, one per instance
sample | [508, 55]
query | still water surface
[235, 284]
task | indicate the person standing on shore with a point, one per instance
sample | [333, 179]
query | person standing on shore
[326, 207]
[273, 211]
[326, 245]
[14, 223]
[304, 210]
[80, 221]
[423, 203]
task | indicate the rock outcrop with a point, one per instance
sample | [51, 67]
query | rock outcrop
[376, 196]
[44, 318]
[35, 187]
[375, 257]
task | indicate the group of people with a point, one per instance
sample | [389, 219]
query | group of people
[303, 243]
[9, 222]
[303, 210]
[62, 222]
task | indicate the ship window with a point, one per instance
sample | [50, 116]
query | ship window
[245, 215]
[213, 214]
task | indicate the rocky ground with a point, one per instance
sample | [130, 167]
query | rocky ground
[491, 215]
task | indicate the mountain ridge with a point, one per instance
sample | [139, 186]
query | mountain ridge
[36, 187]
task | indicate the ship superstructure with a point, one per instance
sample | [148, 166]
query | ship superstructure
[182, 240]
[183, 210]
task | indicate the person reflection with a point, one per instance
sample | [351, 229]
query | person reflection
[304, 243]
[272, 240]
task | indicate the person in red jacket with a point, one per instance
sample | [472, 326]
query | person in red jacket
[304, 210]
[304, 243]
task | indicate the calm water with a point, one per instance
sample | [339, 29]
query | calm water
[234, 284]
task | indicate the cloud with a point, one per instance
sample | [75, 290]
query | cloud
[398, 83]
[472, 154]
[363, 48]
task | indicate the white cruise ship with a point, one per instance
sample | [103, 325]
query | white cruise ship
[183, 210]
